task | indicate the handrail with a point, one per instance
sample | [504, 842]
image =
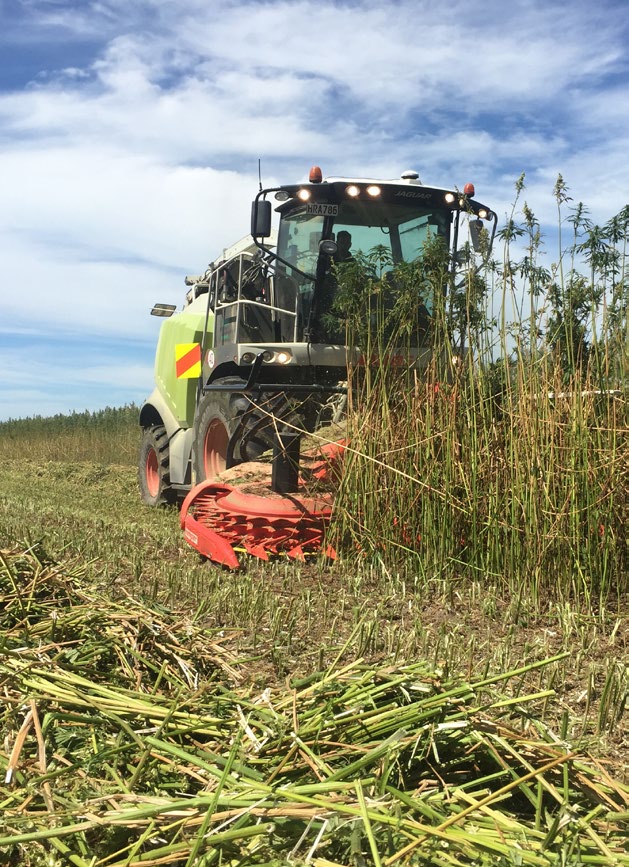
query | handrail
[262, 304]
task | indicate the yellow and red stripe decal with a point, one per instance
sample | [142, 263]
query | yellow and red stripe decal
[188, 360]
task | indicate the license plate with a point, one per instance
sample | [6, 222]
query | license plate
[322, 209]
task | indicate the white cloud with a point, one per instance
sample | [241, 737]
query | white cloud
[92, 238]
[410, 53]
[104, 199]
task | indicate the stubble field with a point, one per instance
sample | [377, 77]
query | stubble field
[87, 570]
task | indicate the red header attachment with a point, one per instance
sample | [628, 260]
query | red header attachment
[315, 176]
[469, 190]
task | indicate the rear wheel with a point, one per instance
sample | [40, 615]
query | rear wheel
[154, 468]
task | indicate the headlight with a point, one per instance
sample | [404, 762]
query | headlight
[282, 356]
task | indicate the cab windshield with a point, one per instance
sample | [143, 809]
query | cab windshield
[400, 230]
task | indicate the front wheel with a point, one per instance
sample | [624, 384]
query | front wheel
[216, 419]
[213, 427]
[154, 468]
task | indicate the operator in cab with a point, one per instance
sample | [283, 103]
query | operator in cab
[343, 244]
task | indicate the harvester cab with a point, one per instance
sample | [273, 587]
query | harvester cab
[257, 355]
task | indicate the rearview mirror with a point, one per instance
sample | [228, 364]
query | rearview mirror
[261, 213]
[476, 234]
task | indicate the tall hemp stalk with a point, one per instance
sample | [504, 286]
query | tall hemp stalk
[511, 467]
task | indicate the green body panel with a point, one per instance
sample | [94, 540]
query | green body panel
[185, 327]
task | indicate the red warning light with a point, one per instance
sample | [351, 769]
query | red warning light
[469, 190]
[315, 176]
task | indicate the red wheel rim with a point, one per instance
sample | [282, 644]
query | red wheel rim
[151, 472]
[215, 449]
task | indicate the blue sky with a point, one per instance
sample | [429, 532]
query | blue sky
[130, 136]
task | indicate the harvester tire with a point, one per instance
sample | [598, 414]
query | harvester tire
[216, 419]
[213, 426]
[154, 469]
